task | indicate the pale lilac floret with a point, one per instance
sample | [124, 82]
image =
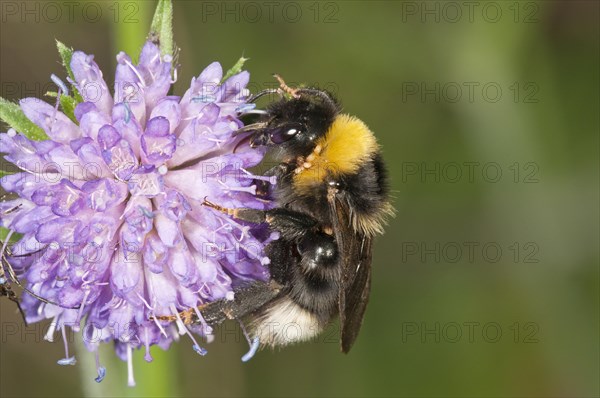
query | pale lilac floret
[110, 207]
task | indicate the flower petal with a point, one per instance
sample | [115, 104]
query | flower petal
[164, 288]
[173, 205]
[208, 80]
[24, 184]
[28, 221]
[104, 193]
[168, 230]
[91, 120]
[128, 126]
[126, 273]
[150, 61]
[117, 153]
[145, 181]
[61, 230]
[139, 221]
[155, 253]
[193, 184]
[156, 71]
[158, 144]
[182, 265]
[89, 81]
[168, 108]
[88, 153]
[129, 87]
[197, 138]
[234, 88]
[65, 199]
[56, 124]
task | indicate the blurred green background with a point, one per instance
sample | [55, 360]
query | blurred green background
[485, 284]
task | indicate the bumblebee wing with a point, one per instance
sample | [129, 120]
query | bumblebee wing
[356, 252]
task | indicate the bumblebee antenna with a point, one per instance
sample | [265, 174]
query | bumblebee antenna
[285, 88]
[294, 92]
[262, 93]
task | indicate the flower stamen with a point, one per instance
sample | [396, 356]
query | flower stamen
[184, 330]
[137, 73]
[61, 85]
[130, 378]
[271, 179]
[251, 189]
[207, 328]
[66, 360]
[147, 356]
[49, 336]
[76, 327]
[152, 315]
[101, 370]
[253, 343]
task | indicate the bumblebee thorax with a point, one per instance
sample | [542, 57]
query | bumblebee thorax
[347, 144]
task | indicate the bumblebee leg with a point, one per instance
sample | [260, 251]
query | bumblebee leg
[291, 224]
[279, 170]
[264, 186]
[246, 300]
[6, 290]
[263, 189]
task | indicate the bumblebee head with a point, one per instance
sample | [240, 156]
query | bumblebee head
[294, 124]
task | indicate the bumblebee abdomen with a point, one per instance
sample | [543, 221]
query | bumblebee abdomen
[284, 322]
[367, 194]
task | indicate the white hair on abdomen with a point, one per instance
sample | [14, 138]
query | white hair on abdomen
[285, 322]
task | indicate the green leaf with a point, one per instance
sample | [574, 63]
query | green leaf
[67, 104]
[5, 173]
[14, 238]
[235, 69]
[11, 114]
[161, 30]
[3, 233]
[66, 53]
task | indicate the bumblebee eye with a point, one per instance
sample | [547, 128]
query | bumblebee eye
[285, 133]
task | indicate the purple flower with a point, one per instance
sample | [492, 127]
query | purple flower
[113, 230]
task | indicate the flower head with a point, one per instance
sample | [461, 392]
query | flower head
[109, 208]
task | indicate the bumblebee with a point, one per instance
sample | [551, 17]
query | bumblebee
[332, 198]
